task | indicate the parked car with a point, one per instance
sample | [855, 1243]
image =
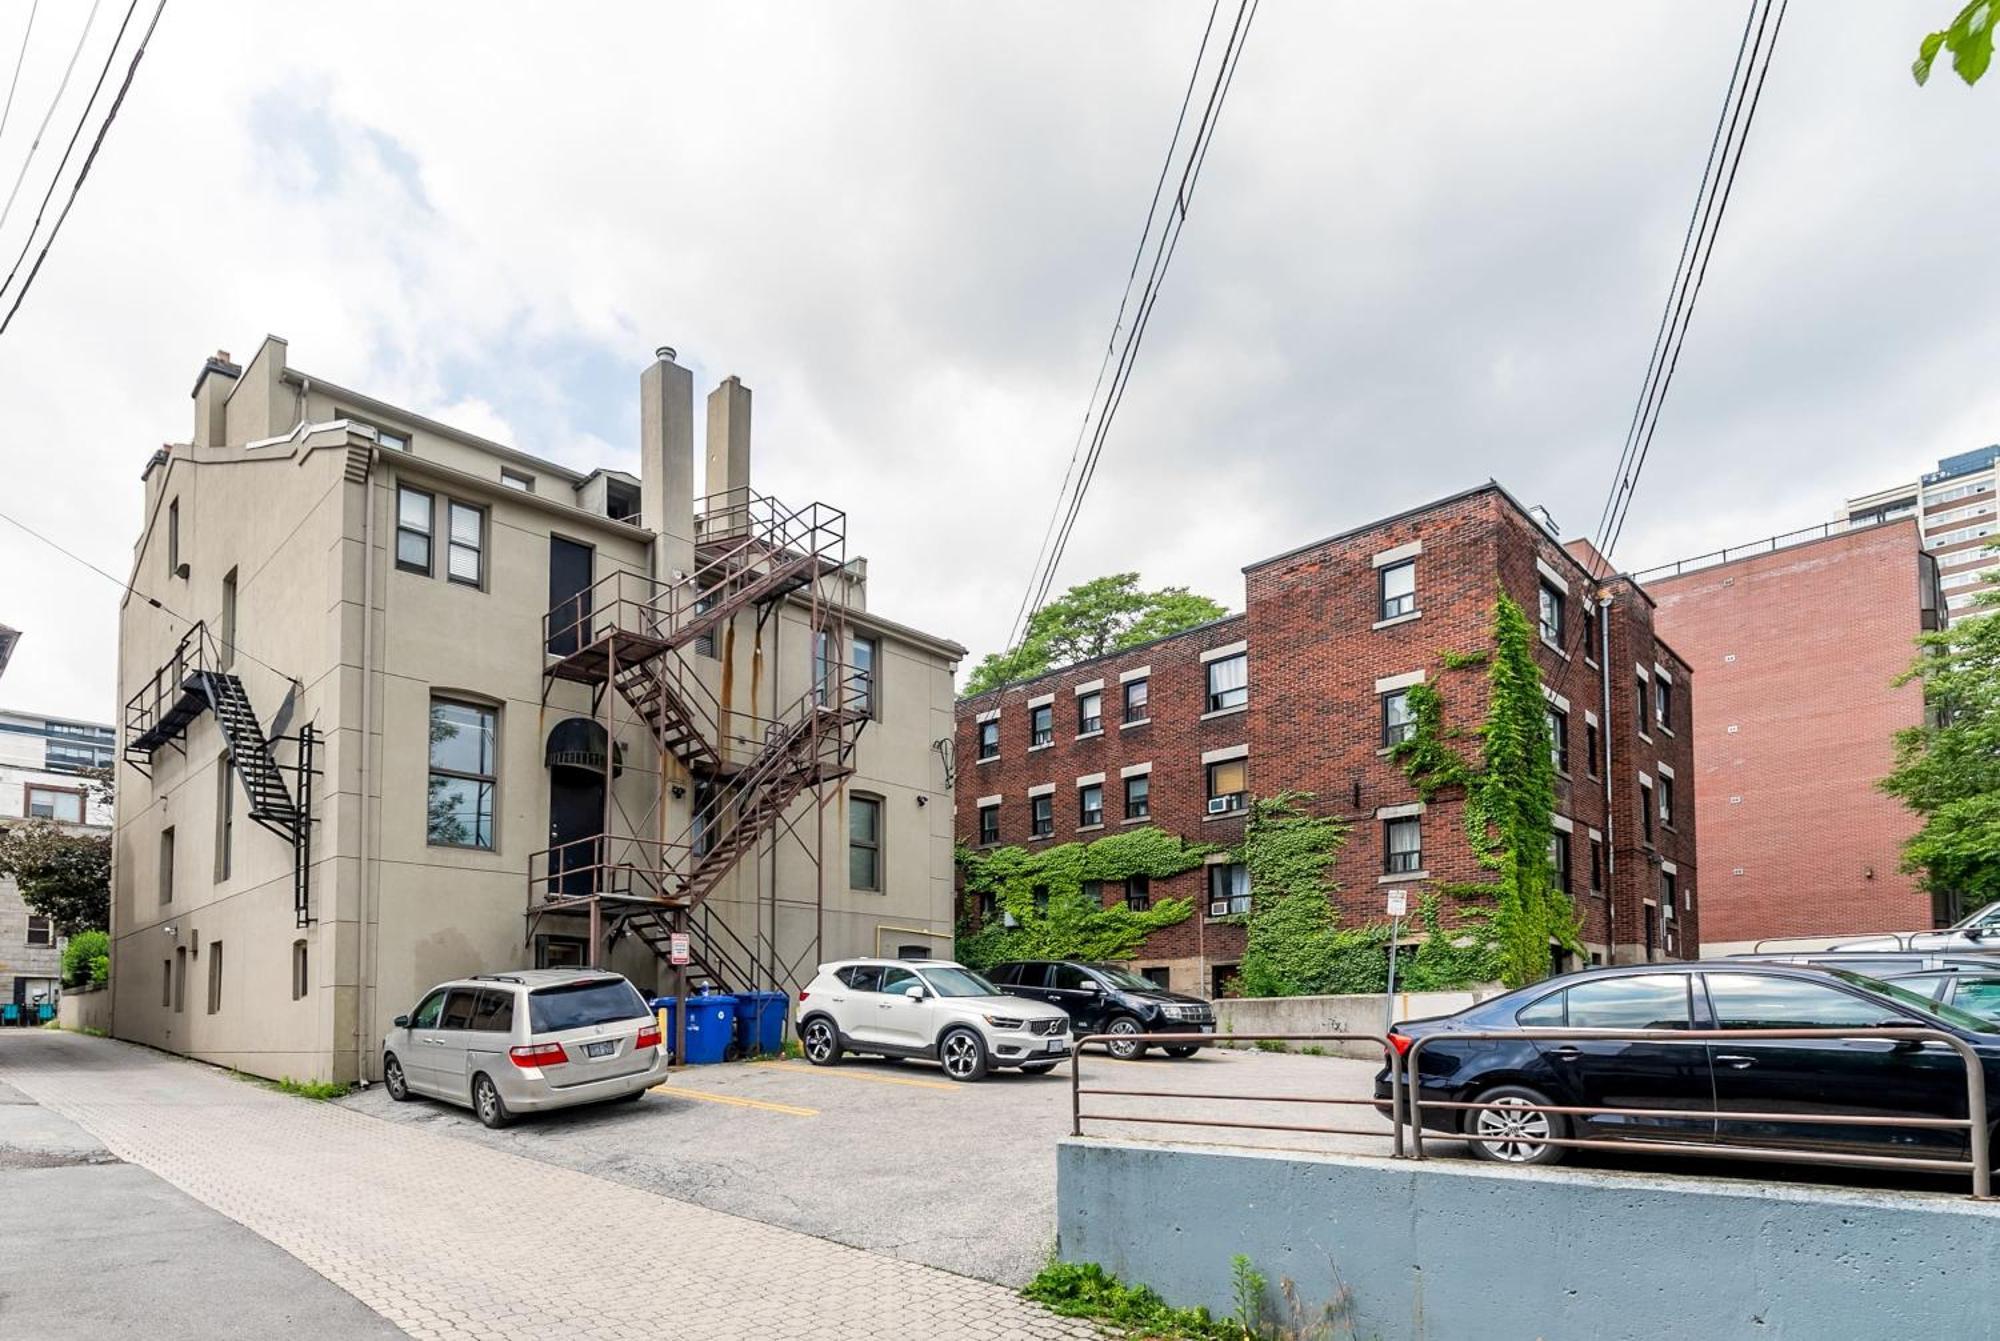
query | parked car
[1979, 930]
[928, 1008]
[509, 1043]
[1106, 999]
[1972, 990]
[1518, 1076]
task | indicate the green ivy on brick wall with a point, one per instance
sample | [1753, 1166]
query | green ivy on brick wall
[1043, 889]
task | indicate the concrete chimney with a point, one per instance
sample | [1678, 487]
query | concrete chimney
[212, 386]
[728, 438]
[666, 463]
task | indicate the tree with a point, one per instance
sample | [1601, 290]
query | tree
[1948, 769]
[1092, 618]
[63, 876]
[1969, 39]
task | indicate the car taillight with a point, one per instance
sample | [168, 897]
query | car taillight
[538, 1054]
[1401, 1043]
[649, 1037]
[803, 994]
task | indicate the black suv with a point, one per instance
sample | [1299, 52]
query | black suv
[1106, 999]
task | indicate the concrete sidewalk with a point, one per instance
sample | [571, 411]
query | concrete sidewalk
[448, 1238]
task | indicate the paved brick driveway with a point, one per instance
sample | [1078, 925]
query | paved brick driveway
[448, 1238]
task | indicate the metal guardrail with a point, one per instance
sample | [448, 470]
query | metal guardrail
[1752, 548]
[1077, 1089]
[1405, 1080]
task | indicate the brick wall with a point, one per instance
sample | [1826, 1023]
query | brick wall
[1796, 651]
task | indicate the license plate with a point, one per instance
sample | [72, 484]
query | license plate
[1058, 1045]
[604, 1049]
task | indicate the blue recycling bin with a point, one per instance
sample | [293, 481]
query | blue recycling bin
[711, 1028]
[760, 1022]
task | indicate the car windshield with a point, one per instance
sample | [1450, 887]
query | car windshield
[1125, 979]
[1986, 916]
[958, 982]
[1903, 996]
[578, 1005]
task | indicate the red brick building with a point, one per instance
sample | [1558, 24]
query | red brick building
[1797, 648]
[1305, 691]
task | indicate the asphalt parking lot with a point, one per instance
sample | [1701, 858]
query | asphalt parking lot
[894, 1158]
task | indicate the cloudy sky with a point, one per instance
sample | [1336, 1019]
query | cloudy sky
[1427, 250]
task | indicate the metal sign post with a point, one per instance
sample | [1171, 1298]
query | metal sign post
[1399, 904]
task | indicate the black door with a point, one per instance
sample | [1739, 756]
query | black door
[576, 827]
[569, 595]
[1871, 1077]
[1079, 994]
[1615, 1074]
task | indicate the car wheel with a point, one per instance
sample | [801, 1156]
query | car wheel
[963, 1054]
[1513, 1129]
[1124, 1044]
[1038, 1069]
[821, 1041]
[1182, 1049]
[393, 1079]
[487, 1104]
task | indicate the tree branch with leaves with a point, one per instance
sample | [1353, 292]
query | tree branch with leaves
[1091, 619]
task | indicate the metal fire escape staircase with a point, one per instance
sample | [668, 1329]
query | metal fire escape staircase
[196, 679]
[629, 633]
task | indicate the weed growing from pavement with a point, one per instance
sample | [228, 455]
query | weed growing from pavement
[1270, 1045]
[1313, 1050]
[321, 1090]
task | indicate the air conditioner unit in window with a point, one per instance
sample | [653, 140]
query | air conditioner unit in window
[1009, 920]
[1221, 805]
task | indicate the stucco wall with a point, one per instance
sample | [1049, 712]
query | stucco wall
[1331, 1015]
[80, 1010]
[1455, 1249]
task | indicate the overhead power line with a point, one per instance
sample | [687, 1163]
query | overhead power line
[20, 60]
[1162, 247]
[89, 21]
[131, 70]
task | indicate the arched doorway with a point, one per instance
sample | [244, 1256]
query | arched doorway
[575, 759]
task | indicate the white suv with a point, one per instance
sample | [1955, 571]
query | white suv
[927, 1008]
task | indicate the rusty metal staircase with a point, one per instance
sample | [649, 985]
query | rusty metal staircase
[196, 679]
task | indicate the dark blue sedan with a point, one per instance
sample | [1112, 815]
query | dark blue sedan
[1858, 1076]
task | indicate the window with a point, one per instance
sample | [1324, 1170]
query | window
[989, 739]
[1553, 602]
[1139, 796]
[514, 479]
[1040, 896]
[866, 656]
[1559, 739]
[214, 976]
[989, 824]
[1642, 1001]
[1228, 786]
[560, 951]
[460, 1005]
[1668, 882]
[389, 438]
[225, 816]
[1546, 1013]
[1161, 977]
[1093, 891]
[465, 557]
[1090, 804]
[180, 979]
[1593, 748]
[864, 842]
[1559, 858]
[166, 984]
[229, 619]
[1663, 704]
[1137, 706]
[55, 803]
[1403, 845]
[1666, 794]
[1229, 682]
[459, 810]
[1596, 863]
[41, 931]
[413, 531]
[862, 977]
[1228, 889]
[1041, 725]
[1398, 722]
[1639, 704]
[1139, 892]
[494, 1013]
[1041, 815]
[1089, 713]
[703, 816]
[1754, 1001]
[1398, 589]
[167, 865]
[1646, 811]
[896, 981]
[174, 538]
[299, 983]
[622, 501]
[1589, 632]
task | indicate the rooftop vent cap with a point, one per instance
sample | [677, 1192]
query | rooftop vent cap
[665, 353]
[1545, 521]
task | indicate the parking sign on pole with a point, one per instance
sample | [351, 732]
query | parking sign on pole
[1399, 904]
[677, 948]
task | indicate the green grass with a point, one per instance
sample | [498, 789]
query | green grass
[1270, 1045]
[1313, 1050]
[320, 1090]
[1087, 1290]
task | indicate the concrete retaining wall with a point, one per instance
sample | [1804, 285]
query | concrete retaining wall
[80, 1009]
[1331, 1015]
[1449, 1248]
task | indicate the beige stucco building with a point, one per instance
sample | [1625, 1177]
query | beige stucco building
[447, 631]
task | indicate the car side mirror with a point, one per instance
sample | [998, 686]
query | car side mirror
[402, 1022]
[914, 991]
[1975, 933]
[1090, 985]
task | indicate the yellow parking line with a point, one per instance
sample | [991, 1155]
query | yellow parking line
[735, 1101]
[911, 1081]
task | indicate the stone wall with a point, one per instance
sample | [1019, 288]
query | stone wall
[1331, 1015]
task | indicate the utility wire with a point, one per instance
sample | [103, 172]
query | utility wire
[49, 115]
[19, 61]
[1162, 259]
[1019, 627]
[75, 135]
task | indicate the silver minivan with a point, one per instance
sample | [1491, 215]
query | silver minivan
[508, 1043]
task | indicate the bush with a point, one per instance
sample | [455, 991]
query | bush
[86, 959]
